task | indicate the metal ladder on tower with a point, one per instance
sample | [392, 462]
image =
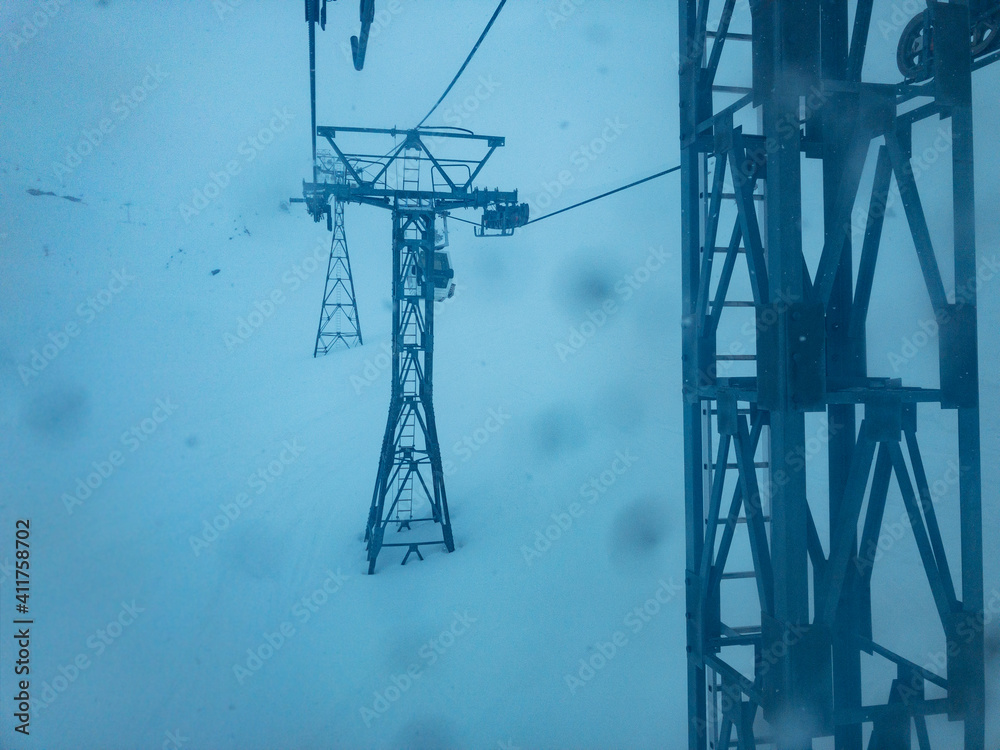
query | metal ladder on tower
[728, 519]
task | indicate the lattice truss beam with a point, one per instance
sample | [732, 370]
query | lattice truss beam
[793, 449]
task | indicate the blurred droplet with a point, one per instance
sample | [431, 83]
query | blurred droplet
[59, 411]
[638, 531]
[559, 430]
[427, 734]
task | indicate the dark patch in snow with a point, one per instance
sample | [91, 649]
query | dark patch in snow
[558, 430]
[427, 734]
[59, 412]
[215, 271]
[33, 191]
[252, 546]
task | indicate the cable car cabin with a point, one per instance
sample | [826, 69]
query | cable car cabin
[502, 219]
[442, 276]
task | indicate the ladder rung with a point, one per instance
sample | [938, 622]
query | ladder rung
[739, 574]
[726, 250]
[732, 196]
[757, 465]
[733, 35]
[739, 519]
[737, 303]
[737, 357]
[407, 521]
[732, 89]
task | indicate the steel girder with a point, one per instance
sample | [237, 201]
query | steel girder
[794, 673]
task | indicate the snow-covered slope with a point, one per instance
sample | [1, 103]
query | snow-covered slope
[124, 353]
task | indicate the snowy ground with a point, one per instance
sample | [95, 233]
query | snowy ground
[141, 635]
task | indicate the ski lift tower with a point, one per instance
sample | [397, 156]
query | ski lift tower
[339, 324]
[420, 189]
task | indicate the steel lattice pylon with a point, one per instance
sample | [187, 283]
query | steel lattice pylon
[409, 489]
[790, 670]
[339, 323]
[410, 483]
